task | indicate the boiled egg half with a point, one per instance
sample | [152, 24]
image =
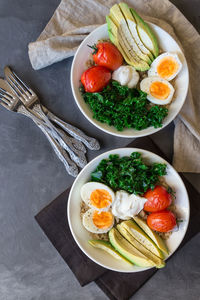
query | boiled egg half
[166, 66]
[97, 221]
[159, 91]
[97, 195]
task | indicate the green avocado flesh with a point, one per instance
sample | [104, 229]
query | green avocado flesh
[146, 34]
[118, 27]
[127, 250]
[121, 43]
[122, 23]
[155, 259]
[123, 31]
[132, 26]
[137, 233]
[153, 235]
[112, 32]
[106, 246]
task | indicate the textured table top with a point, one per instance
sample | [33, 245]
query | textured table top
[31, 175]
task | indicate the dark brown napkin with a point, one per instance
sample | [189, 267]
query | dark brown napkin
[119, 286]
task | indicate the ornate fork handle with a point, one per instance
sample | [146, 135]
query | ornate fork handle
[78, 145]
[77, 156]
[70, 166]
[90, 142]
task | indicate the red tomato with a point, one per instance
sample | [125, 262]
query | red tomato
[107, 55]
[157, 199]
[95, 79]
[162, 221]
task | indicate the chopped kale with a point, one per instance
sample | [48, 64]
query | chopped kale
[130, 174]
[122, 107]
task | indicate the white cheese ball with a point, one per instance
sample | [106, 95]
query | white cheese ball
[127, 205]
[126, 75]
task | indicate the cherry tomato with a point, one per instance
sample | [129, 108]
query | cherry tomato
[162, 221]
[157, 199]
[95, 79]
[107, 55]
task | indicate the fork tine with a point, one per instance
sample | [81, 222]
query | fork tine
[4, 96]
[17, 82]
[4, 92]
[14, 86]
[4, 102]
[4, 105]
[1, 89]
[23, 83]
[22, 95]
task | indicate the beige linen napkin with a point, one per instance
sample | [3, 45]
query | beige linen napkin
[74, 19]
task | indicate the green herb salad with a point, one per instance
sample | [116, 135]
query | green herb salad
[124, 107]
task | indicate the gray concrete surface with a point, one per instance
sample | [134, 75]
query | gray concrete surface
[31, 176]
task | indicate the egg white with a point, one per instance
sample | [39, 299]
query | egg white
[89, 187]
[153, 69]
[90, 226]
[145, 87]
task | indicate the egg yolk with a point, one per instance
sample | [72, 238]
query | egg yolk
[103, 219]
[159, 90]
[167, 67]
[100, 198]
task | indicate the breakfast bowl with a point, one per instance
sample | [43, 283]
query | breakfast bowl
[79, 65]
[82, 236]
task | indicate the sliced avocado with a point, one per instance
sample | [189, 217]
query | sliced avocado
[116, 43]
[106, 246]
[159, 262]
[132, 25]
[126, 50]
[117, 40]
[127, 250]
[141, 237]
[152, 234]
[112, 32]
[146, 34]
[120, 21]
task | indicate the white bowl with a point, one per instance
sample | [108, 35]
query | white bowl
[166, 43]
[81, 235]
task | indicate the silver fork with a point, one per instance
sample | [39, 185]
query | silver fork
[30, 99]
[90, 142]
[12, 103]
[31, 102]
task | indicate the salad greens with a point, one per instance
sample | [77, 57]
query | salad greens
[128, 173]
[124, 108]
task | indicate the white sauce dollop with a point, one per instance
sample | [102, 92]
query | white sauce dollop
[127, 205]
[126, 75]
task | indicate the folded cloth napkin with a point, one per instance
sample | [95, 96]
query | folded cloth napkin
[74, 19]
[53, 220]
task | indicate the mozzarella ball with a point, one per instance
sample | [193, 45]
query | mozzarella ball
[126, 75]
[127, 205]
